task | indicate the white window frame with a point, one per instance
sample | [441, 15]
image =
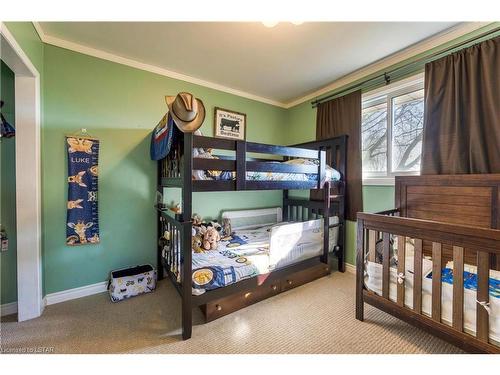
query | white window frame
[379, 96]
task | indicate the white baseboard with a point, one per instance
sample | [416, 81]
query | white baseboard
[350, 268]
[8, 308]
[84, 291]
[88, 290]
[64, 295]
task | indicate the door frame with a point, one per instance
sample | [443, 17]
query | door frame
[28, 181]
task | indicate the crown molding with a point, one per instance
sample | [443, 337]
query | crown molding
[407, 53]
[62, 43]
[416, 49]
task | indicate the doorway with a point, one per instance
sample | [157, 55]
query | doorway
[27, 176]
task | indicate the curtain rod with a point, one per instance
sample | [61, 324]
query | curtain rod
[388, 76]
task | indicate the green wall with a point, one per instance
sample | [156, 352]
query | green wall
[120, 105]
[8, 266]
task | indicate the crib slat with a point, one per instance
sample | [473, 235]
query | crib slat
[372, 239]
[386, 237]
[436, 281]
[401, 269]
[458, 288]
[483, 270]
[417, 277]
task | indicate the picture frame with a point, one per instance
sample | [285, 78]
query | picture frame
[229, 124]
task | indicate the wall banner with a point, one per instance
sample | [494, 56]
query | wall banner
[82, 215]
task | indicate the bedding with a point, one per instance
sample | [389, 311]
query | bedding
[251, 252]
[330, 173]
[373, 281]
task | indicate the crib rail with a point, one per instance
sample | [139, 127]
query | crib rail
[381, 228]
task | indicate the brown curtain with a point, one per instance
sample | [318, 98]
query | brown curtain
[462, 112]
[343, 116]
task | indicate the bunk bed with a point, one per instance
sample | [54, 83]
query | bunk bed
[434, 260]
[250, 166]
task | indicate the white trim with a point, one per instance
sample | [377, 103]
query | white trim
[379, 181]
[28, 181]
[420, 47]
[29, 68]
[414, 80]
[58, 42]
[8, 308]
[83, 291]
[407, 53]
[350, 268]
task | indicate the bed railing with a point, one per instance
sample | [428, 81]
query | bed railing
[380, 228]
[240, 162]
[175, 258]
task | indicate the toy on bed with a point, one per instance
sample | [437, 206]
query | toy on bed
[197, 244]
[206, 236]
[211, 238]
[226, 229]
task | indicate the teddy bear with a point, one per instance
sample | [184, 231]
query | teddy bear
[211, 237]
[197, 243]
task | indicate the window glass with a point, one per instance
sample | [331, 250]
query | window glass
[374, 139]
[407, 128]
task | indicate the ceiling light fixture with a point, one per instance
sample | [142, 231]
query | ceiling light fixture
[274, 23]
[270, 23]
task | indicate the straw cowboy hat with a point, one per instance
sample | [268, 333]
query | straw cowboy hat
[187, 111]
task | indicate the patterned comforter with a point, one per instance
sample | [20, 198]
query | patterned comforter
[330, 173]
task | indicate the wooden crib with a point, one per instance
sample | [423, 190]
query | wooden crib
[448, 218]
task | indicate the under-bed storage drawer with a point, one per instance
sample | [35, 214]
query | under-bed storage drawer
[305, 276]
[271, 286]
[227, 305]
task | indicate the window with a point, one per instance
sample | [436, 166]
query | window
[391, 130]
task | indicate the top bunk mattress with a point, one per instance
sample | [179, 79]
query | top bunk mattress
[331, 174]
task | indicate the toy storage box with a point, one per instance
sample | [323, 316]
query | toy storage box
[130, 282]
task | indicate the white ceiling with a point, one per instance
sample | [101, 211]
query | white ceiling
[280, 64]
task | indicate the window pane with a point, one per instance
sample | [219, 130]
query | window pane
[407, 128]
[374, 139]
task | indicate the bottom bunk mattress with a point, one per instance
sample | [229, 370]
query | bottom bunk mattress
[373, 281]
[251, 252]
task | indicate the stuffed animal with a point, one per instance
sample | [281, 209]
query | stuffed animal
[215, 225]
[211, 238]
[196, 220]
[197, 243]
[226, 227]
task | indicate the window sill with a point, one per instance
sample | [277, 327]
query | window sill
[379, 181]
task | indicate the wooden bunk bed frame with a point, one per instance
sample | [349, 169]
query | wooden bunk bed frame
[176, 171]
[450, 218]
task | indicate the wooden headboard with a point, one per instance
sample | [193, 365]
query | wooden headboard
[471, 200]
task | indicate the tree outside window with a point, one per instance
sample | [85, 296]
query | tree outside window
[391, 133]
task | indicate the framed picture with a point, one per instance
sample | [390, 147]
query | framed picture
[229, 124]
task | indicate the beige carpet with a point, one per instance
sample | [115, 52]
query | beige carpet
[315, 318]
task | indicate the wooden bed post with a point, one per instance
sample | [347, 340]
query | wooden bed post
[360, 271]
[159, 229]
[326, 222]
[187, 187]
